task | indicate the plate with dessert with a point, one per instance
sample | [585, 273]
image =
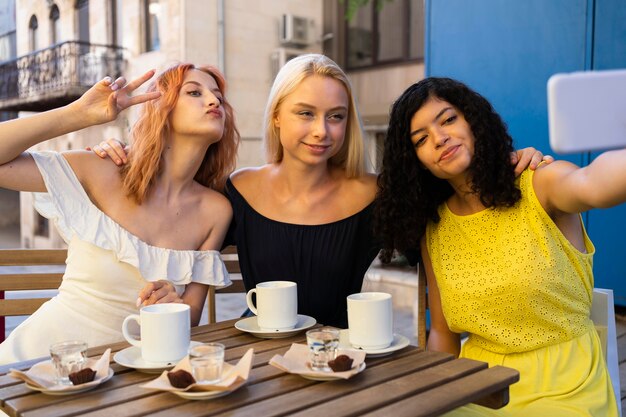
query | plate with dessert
[347, 363]
[332, 375]
[182, 379]
[201, 395]
[81, 381]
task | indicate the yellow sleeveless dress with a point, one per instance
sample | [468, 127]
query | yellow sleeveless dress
[523, 292]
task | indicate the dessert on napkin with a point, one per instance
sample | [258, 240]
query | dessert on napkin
[42, 374]
[296, 361]
[232, 377]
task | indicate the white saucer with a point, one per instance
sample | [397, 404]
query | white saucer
[330, 376]
[131, 358]
[201, 395]
[250, 325]
[72, 389]
[399, 342]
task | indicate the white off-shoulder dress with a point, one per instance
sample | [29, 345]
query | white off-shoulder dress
[106, 268]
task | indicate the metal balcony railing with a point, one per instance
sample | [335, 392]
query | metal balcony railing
[55, 76]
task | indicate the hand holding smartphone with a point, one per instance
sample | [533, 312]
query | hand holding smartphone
[587, 111]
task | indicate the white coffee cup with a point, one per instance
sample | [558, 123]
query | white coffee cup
[276, 304]
[370, 320]
[164, 331]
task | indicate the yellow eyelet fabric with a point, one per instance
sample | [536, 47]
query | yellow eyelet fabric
[509, 277]
[523, 292]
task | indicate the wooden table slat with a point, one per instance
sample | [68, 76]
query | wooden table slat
[248, 394]
[112, 391]
[325, 393]
[393, 390]
[429, 404]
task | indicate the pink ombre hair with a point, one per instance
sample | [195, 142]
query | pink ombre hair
[153, 126]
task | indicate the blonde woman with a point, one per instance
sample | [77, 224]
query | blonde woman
[136, 235]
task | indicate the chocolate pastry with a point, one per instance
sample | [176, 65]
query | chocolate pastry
[341, 363]
[83, 376]
[180, 378]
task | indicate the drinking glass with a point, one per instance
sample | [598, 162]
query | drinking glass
[68, 357]
[207, 361]
[323, 344]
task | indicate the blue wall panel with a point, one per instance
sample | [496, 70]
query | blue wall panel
[609, 46]
[607, 228]
[507, 50]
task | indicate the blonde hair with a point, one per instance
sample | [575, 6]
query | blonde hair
[350, 156]
[153, 127]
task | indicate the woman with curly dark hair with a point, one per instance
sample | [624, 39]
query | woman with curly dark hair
[507, 259]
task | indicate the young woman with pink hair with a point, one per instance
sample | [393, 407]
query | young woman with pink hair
[145, 233]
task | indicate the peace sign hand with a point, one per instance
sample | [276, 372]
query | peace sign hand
[106, 99]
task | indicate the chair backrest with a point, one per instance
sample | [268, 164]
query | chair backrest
[17, 274]
[231, 260]
[407, 285]
[603, 317]
[422, 306]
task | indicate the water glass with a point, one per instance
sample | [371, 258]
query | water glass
[207, 361]
[323, 344]
[68, 357]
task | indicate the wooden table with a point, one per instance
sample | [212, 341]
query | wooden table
[409, 382]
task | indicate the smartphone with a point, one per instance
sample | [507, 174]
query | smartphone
[587, 111]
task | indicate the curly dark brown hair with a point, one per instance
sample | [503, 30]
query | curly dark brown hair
[409, 195]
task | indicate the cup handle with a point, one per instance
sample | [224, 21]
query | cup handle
[127, 336]
[249, 301]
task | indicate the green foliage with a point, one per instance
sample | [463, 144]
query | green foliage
[354, 5]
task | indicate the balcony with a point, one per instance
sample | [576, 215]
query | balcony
[56, 76]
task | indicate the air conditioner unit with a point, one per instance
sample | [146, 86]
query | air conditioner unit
[280, 56]
[295, 31]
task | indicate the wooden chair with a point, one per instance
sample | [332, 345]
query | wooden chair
[402, 280]
[422, 306]
[20, 279]
[603, 317]
[231, 260]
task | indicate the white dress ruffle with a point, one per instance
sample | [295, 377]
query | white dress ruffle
[106, 268]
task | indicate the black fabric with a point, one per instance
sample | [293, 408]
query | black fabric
[327, 261]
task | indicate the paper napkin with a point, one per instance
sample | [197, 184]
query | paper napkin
[296, 361]
[232, 378]
[42, 374]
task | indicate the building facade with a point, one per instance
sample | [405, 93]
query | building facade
[64, 46]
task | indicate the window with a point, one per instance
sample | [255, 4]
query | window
[55, 25]
[115, 26]
[82, 16]
[32, 33]
[152, 13]
[392, 34]
[8, 46]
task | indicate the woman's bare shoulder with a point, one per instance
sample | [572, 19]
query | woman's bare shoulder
[247, 180]
[92, 171]
[364, 186]
[243, 175]
[213, 197]
[214, 204]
